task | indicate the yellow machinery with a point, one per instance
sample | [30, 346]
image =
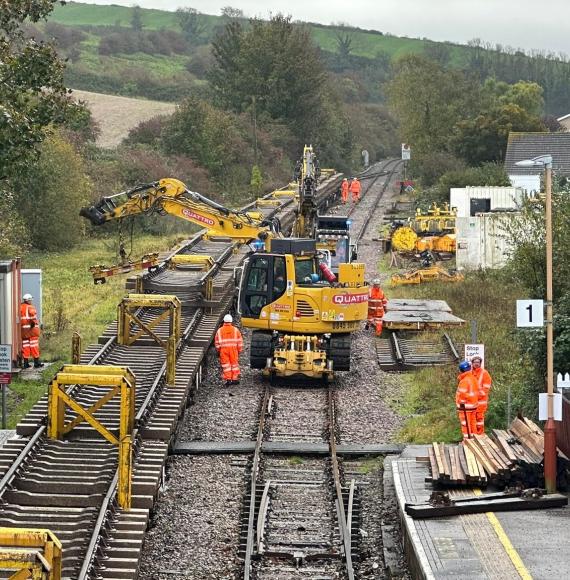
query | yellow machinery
[428, 272]
[433, 230]
[287, 289]
[101, 272]
[32, 554]
[302, 314]
[171, 196]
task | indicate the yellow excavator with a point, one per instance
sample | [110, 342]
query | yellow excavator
[303, 313]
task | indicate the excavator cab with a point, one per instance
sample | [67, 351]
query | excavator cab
[301, 311]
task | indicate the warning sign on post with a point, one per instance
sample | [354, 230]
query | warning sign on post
[5, 358]
[472, 350]
[406, 152]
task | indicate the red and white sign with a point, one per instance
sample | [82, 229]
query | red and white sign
[199, 218]
[5, 378]
[346, 299]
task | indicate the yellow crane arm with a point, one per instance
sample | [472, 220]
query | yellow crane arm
[171, 196]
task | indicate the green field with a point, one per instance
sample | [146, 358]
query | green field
[365, 44]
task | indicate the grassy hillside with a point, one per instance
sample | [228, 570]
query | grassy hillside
[366, 44]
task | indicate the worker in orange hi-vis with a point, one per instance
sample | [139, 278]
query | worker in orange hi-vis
[229, 343]
[355, 190]
[344, 190]
[376, 305]
[466, 400]
[30, 332]
[484, 386]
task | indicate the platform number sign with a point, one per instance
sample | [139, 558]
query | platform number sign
[530, 313]
[406, 152]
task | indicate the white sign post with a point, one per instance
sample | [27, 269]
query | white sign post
[472, 350]
[406, 152]
[5, 358]
[543, 406]
[530, 313]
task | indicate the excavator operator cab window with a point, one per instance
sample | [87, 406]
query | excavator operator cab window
[264, 281]
[305, 271]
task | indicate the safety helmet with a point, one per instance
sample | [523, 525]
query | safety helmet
[228, 318]
[28, 297]
[464, 365]
[345, 179]
[376, 282]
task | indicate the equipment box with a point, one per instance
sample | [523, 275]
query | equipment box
[293, 246]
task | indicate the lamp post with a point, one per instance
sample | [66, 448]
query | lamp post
[550, 455]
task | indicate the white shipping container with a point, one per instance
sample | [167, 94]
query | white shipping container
[482, 241]
[500, 198]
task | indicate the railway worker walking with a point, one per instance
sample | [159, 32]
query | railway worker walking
[484, 386]
[30, 332]
[466, 400]
[355, 190]
[376, 304]
[344, 190]
[229, 343]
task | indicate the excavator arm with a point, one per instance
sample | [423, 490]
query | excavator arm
[172, 197]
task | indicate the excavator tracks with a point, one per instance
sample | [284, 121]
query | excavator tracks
[70, 486]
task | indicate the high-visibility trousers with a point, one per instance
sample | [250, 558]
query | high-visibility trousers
[480, 418]
[344, 195]
[468, 422]
[229, 359]
[355, 196]
[31, 342]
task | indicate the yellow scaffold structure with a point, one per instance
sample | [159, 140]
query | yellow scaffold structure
[199, 262]
[120, 381]
[33, 554]
[131, 327]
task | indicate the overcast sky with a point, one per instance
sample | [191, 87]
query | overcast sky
[518, 23]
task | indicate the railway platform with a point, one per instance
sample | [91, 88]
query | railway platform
[507, 545]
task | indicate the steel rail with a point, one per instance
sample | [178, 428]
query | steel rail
[342, 519]
[251, 527]
[371, 210]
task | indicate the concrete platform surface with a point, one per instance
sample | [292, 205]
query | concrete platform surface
[510, 545]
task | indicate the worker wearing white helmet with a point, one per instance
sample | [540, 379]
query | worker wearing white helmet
[30, 329]
[229, 343]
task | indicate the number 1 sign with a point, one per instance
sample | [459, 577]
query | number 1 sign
[530, 313]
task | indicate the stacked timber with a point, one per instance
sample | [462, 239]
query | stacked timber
[505, 457]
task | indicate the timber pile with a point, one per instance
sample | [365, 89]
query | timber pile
[508, 457]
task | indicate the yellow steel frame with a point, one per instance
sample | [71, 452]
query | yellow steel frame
[120, 381]
[35, 554]
[204, 263]
[127, 317]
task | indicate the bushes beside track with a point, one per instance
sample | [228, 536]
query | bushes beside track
[489, 298]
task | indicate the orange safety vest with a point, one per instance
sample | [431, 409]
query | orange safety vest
[28, 314]
[483, 379]
[467, 391]
[228, 337]
[355, 186]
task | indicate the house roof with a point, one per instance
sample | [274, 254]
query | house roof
[528, 145]
[563, 117]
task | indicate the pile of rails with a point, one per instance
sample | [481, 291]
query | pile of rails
[511, 457]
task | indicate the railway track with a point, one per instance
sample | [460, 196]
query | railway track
[299, 518]
[70, 486]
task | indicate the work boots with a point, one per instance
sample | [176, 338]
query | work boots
[38, 364]
[26, 364]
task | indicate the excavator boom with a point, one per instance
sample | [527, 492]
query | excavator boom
[173, 197]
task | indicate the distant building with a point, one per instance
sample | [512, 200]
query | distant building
[522, 146]
[565, 121]
[482, 213]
